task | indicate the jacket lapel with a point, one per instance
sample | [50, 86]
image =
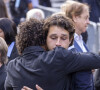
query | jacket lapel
[77, 46]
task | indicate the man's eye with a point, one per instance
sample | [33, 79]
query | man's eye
[53, 37]
[63, 38]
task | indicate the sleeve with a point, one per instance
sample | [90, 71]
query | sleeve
[78, 61]
[8, 84]
[97, 79]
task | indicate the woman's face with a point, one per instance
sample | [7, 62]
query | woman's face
[57, 36]
[2, 34]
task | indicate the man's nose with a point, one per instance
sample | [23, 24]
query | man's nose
[88, 21]
[58, 43]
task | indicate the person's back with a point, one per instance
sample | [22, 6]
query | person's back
[34, 67]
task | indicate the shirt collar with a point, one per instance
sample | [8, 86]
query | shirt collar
[32, 49]
[71, 47]
[77, 37]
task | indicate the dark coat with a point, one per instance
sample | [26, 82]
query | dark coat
[2, 76]
[49, 69]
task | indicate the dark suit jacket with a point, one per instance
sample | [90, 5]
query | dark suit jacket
[82, 80]
[14, 53]
[49, 69]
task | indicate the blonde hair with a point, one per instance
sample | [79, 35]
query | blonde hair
[73, 8]
[3, 51]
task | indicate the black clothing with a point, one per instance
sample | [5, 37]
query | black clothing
[97, 80]
[45, 3]
[49, 69]
[2, 76]
[85, 36]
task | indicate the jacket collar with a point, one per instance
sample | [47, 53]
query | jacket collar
[33, 49]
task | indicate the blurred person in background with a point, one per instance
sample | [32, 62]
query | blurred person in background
[3, 61]
[84, 34]
[8, 31]
[94, 13]
[94, 17]
[19, 9]
[79, 13]
[3, 9]
[8, 9]
[35, 13]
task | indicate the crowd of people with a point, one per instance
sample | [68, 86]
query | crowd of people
[40, 53]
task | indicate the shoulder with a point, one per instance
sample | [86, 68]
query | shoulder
[58, 54]
[12, 63]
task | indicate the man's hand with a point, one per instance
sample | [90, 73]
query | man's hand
[27, 88]
[38, 87]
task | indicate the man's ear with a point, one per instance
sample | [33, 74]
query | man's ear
[75, 18]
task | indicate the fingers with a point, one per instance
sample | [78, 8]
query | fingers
[26, 88]
[38, 87]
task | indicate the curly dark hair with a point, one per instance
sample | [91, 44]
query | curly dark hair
[60, 21]
[30, 34]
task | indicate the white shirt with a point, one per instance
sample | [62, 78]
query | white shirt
[71, 47]
[79, 40]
